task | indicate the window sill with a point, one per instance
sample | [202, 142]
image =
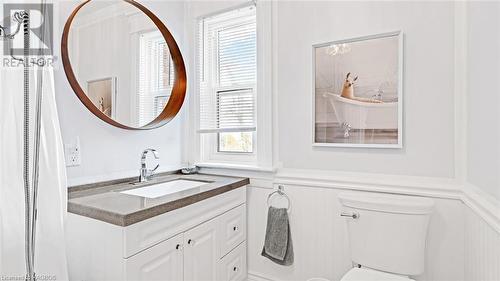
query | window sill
[252, 168]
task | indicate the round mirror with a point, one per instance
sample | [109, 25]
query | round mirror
[123, 64]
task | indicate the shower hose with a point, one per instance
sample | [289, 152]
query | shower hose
[31, 190]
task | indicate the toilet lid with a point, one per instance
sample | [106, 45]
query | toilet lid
[366, 274]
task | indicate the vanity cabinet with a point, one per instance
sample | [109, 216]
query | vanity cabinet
[205, 241]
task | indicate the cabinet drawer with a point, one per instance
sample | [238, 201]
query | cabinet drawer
[233, 267]
[232, 229]
[161, 262]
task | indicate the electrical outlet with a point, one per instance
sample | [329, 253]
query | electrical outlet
[72, 153]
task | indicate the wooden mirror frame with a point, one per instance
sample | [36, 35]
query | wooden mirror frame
[180, 83]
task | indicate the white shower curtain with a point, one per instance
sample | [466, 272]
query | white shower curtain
[50, 260]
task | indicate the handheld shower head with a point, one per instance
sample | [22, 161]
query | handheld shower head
[18, 17]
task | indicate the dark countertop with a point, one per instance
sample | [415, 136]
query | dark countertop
[103, 201]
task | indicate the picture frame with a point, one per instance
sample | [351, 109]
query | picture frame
[102, 93]
[358, 92]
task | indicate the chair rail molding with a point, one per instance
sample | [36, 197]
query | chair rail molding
[484, 205]
[399, 184]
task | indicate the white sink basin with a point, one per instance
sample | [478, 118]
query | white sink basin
[162, 189]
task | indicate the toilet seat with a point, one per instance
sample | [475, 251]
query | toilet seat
[366, 274]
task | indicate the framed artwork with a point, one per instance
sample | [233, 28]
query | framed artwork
[102, 93]
[358, 97]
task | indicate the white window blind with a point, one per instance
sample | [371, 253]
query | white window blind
[156, 77]
[227, 59]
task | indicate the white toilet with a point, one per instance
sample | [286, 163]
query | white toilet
[387, 235]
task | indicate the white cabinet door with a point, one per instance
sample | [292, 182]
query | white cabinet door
[201, 252]
[160, 262]
[233, 266]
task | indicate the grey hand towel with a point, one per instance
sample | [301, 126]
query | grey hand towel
[278, 245]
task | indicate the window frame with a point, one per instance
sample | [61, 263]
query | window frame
[155, 38]
[205, 152]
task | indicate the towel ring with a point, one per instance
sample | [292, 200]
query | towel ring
[280, 191]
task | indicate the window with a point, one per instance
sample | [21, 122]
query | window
[156, 76]
[227, 60]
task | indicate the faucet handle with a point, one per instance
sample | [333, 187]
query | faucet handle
[145, 152]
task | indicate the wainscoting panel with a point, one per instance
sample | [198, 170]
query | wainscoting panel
[320, 237]
[463, 238]
[482, 249]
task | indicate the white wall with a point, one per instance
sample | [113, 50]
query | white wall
[482, 220]
[109, 152]
[318, 232]
[428, 83]
[483, 99]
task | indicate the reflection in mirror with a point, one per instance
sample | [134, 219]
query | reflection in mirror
[102, 93]
[121, 61]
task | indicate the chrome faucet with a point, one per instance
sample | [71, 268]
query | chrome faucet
[378, 95]
[145, 173]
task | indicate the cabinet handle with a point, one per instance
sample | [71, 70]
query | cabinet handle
[235, 269]
[235, 228]
[190, 241]
[178, 246]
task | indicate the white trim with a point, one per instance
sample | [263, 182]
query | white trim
[401, 65]
[228, 130]
[484, 205]
[273, 106]
[254, 276]
[409, 185]
[359, 38]
[232, 166]
[264, 98]
[225, 10]
[357, 145]
[262, 156]
[460, 86]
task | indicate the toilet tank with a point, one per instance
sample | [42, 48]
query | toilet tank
[389, 232]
